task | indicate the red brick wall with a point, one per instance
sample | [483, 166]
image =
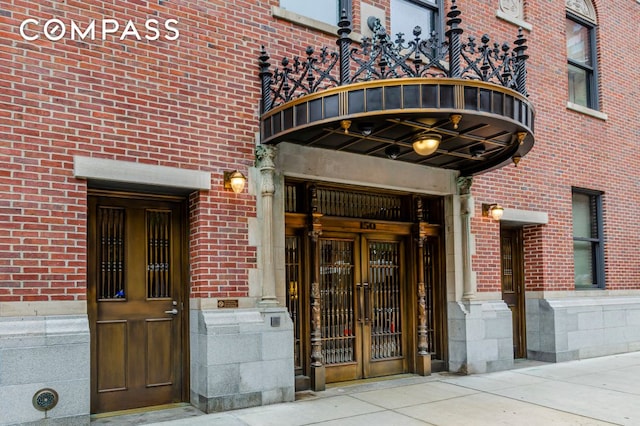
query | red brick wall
[193, 103]
[190, 103]
[573, 149]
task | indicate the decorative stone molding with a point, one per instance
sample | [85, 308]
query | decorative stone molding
[464, 185]
[265, 155]
[512, 8]
[512, 11]
[582, 8]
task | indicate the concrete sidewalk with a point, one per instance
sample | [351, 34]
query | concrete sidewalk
[589, 392]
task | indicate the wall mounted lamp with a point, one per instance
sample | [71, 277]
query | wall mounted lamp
[426, 143]
[234, 180]
[494, 211]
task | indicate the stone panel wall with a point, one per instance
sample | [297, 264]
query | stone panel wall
[44, 352]
[565, 329]
[241, 358]
[480, 337]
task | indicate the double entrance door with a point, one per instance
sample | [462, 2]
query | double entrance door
[362, 294]
[136, 302]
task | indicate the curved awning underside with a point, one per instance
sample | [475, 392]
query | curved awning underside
[483, 125]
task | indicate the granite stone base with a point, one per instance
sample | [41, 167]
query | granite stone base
[44, 352]
[241, 358]
[480, 336]
[566, 329]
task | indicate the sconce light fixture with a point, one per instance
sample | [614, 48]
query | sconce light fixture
[426, 143]
[234, 180]
[494, 211]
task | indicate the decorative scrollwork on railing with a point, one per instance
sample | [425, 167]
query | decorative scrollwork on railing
[380, 57]
[301, 77]
[494, 62]
[486, 62]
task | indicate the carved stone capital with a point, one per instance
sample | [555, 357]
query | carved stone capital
[265, 155]
[464, 185]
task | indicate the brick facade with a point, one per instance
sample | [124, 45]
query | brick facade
[572, 150]
[190, 103]
[193, 104]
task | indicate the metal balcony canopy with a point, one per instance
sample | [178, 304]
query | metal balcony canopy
[377, 98]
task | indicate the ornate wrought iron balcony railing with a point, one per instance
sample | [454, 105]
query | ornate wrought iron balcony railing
[383, 98]
[380, 57]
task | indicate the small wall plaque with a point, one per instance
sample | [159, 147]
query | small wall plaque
[228, 303]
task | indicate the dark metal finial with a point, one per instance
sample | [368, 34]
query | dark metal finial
[521, 45]
[521, 62]
[263, 58]
[343, 42]
[453, 36]
[265, 79]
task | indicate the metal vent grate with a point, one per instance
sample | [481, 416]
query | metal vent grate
[45, 399]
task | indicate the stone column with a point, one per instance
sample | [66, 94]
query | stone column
[466, 209]
[265, 155]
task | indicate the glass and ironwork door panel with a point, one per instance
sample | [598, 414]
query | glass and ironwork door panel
[362, 291]
[293, 270]
[339, 311]
[384, 331]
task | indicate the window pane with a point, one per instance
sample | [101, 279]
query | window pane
[578, 86]
[583, 216]
[321, 10]
[583, 264]
[578, 43]
[405, 16]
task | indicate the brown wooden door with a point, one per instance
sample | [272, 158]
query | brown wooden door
[362, 286]
[135, 302]
[512, 268]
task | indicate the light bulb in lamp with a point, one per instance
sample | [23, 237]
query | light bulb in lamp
[235, 181]
[426, 144]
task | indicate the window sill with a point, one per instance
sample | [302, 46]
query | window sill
[314, 24]
[516, 21]
[587, 111]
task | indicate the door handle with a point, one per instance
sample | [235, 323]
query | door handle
[174, 311]
[360, 304]
[367, 302]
